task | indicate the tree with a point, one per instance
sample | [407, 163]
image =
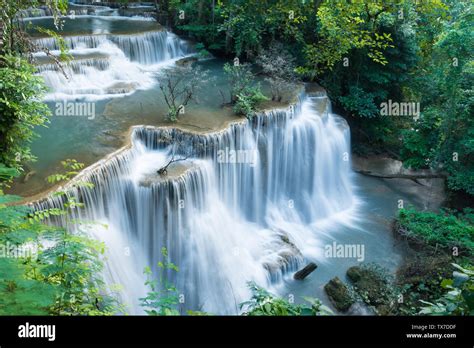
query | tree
[442, 137]
[20, 89]
[15, 38]
[21, 110]
[245, 93]
[179, 88]
[279, 67]
[240, 77]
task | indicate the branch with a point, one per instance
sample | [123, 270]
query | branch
[164, 170]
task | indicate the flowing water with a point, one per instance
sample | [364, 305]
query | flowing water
[225, 223]
[251, 200]
[107, 60]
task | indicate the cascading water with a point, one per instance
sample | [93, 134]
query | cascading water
[109, 64]
[225, 220]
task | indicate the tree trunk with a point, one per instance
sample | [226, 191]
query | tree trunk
[402, 176]
[306, 271]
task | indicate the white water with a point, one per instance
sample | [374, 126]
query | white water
[224, 224]
[109, 65]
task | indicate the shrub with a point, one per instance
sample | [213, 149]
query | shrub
[444, 229]
[264, 303]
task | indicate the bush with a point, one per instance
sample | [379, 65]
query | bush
[459, 298]
[444, 229]
[248, 100]
[21, 108]
[264, 303]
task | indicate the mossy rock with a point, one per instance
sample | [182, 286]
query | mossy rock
[339, 294]
[424, 269]
[372, 286]
[184, 62]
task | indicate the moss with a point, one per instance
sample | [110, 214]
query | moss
[372, 283]
[339, 294]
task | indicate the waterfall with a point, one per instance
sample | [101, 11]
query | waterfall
[108, 65]
[247, 205]
[145, 48]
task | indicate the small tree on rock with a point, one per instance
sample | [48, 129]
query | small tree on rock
[245, 93]
[179, 87]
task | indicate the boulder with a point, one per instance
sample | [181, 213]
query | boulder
[339, 294]
[372, 287]
[186, 61]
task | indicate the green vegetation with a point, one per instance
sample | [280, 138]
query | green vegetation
[374, 286]
[443, 137]
[458, 296]
[245, 93]
[427, 277]
[21, 110]
[264, 303]
[163, 297]
[439, 230]
[47, 269]
[20, 89]
[364, 53]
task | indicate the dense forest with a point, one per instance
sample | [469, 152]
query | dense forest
[399, 72]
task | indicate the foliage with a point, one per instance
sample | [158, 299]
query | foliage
[344, 26]
[442, 137]
[279, 67]
[444, 229]
[459, 298]
[163, 297]
[245, 93]
[264, 303]
[374, 285]
[21, 109]
[14, 37]
[50, 270]
[240, 77]
[202, 51]
[419, 277]
[247, 101]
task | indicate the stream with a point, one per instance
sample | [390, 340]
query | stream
[253, 200]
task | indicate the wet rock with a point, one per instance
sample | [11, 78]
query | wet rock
[360, 308]
[174, 170]
[28, 176]
[427, 187]
[288, 257]
[373, 287]
[186, 61]
[122, 88]
[306, 271]
[339, 294]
